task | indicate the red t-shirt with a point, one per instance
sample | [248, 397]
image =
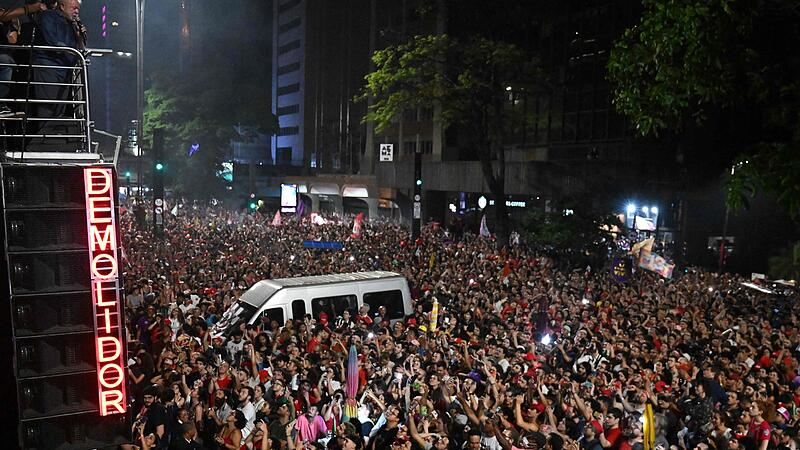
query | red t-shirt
[760, 432]
[224, 382]
[312, 345]
[613, 436]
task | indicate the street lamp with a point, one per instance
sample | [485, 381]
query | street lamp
[139, 86]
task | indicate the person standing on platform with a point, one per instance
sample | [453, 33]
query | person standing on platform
[58, 27]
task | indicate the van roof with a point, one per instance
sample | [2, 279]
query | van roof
[263, 290]
[331, 279]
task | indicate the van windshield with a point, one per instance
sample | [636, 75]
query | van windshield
[240, 312]
[258, 294]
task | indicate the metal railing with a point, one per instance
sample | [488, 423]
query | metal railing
[27, 129]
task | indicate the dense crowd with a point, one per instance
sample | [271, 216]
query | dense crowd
[524, 356]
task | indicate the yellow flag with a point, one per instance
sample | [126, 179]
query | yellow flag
[432, 261]
[649, 427]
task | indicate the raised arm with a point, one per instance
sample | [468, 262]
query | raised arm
[580, 404]
[412, 430]
[468, 409]
[519, 420]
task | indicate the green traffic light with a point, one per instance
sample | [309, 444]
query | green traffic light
[159, 166]
[253, 205]
[127, 174]
[419, 182]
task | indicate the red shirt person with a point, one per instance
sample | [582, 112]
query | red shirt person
[759, 429]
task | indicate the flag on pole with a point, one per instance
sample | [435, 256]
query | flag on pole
[649, 427]
[351, 389]
[276, 221]
[484, 227]
[174, 210]
[357, 225]
[654, 263]
[301, 208]
[432, 261]
[646, 245]
[434, 315]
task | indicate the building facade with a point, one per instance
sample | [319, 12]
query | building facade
[320, 56]
[573, 144]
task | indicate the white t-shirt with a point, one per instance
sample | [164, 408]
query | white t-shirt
[233, 347]
[249, 412]
[490, 443]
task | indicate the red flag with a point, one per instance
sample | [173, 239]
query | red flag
[276, 221]
[506, 270]
[357, 225]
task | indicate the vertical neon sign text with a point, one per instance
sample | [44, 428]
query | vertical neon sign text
[104, 270]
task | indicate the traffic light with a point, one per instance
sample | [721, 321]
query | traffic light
[253, 205]
[158, 182]
[419, 182]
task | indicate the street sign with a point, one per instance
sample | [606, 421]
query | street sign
[417, 210]
[387, 152]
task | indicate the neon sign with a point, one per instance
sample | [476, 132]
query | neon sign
[104, 270]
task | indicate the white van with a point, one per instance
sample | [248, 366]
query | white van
[292, 298]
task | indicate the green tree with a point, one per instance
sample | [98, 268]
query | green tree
[689, 66]
[569, 230]
[469, 79]
[786, 265]
[207, 108]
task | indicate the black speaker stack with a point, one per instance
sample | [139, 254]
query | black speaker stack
[61, 323]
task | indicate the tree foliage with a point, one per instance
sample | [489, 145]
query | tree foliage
[569, 229]
[688, 62]
[204, 110]
[786, 265]
[472, 80]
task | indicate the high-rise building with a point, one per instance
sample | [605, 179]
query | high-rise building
[320, 55]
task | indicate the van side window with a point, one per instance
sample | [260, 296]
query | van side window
[333, 306]
[392, 300]
[271, 314]
[298, 309]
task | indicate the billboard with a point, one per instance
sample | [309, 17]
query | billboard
[288, 198]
